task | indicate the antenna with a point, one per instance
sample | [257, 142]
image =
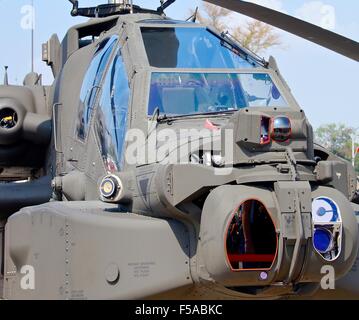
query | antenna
[32, 36]
[6, 78]
[193, 17]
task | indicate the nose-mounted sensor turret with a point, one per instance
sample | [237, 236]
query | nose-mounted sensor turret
[277, 243]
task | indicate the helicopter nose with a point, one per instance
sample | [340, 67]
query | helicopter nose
[277, 238]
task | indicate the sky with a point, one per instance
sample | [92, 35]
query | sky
[324, 83]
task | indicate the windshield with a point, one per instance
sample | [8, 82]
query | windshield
[194, 93]
[188, 47]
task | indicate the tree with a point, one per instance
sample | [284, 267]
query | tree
[338, 139]
[214, 16]
[252, 34]
[257, 36]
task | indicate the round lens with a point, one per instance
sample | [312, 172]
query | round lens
[8, 118]
[108, 187]
[322, 240]
[282, 129]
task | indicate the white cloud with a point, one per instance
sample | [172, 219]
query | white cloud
[318, 13]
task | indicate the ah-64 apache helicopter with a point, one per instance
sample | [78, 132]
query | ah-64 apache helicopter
[255, 211]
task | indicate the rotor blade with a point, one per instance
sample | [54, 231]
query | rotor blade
[308, 31]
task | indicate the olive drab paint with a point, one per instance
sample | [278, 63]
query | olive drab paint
[159, 173]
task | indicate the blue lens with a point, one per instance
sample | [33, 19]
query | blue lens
[322, 240]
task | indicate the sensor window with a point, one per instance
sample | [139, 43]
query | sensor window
[8, 118]
[251, 237]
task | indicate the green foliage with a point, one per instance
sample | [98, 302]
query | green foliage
[252, 34]
[338, 139]
[357, 164]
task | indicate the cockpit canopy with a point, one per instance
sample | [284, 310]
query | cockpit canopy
[199, 86]
[185, 93]
[191, 47]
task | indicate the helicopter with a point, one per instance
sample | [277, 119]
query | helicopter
[167, 161]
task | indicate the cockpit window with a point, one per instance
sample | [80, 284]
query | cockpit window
[91, 85]
[111, 118]
[190, 47]
[195, 93]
